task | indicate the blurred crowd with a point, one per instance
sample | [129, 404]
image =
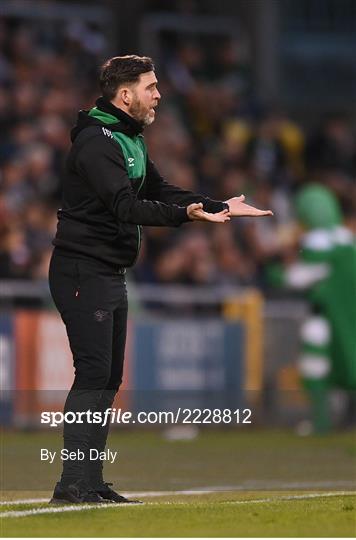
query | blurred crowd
[211, 135]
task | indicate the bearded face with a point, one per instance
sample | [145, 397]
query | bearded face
[142, 98]
[143, 112]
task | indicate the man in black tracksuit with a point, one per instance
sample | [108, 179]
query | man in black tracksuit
[111, 188]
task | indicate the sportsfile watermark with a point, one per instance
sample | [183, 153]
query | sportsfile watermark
[119, 416]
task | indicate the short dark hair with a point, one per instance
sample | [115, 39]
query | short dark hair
[121, 70]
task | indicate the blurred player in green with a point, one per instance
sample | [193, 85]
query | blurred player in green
[326, 271]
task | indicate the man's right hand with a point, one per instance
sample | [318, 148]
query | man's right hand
[196, 213]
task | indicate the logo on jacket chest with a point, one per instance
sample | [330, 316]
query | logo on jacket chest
[107, 133]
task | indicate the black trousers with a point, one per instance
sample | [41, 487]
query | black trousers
[92, 300]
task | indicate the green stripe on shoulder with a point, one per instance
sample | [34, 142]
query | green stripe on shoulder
[104, 117]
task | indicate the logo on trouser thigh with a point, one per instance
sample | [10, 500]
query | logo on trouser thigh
[101, 315]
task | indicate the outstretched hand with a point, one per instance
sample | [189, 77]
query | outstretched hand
[239, 208]
[196, 213]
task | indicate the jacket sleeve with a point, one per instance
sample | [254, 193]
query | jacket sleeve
[158, 189]
[101, 164]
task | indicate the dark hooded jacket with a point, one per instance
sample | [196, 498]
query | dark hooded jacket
[108, 195]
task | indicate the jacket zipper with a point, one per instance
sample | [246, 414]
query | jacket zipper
[138, 226]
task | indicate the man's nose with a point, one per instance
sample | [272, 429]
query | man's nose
[157, 94]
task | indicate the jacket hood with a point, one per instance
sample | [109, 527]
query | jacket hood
[105, 114]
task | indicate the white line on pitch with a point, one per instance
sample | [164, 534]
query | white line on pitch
[24, 501]
[201, 491]
[244, 487]
[75, 508]
[250, 485]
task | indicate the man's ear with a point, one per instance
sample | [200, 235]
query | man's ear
[126, 95]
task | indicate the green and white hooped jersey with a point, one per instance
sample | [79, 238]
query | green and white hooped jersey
[318, 246]
[327, 272]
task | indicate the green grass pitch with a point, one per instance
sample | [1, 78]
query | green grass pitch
[240, 483]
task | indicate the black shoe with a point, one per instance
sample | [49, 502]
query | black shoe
[109, 495]
[77, 493]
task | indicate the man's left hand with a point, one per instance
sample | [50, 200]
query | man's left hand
[239, 209]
